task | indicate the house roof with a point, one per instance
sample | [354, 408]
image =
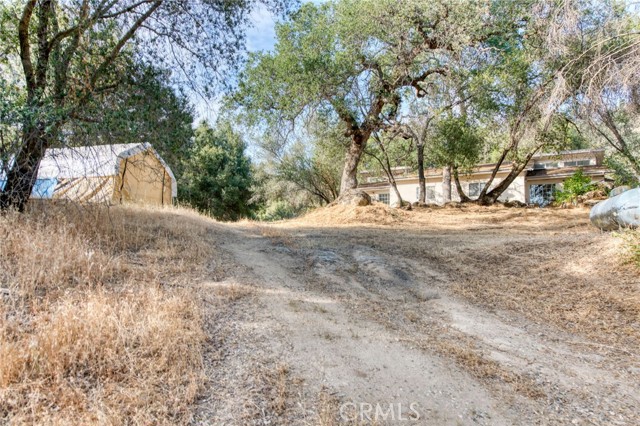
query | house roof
[597, 151]
[566, 172]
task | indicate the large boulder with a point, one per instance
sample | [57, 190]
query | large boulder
[618, 190]
[353, 197]
[620, 211]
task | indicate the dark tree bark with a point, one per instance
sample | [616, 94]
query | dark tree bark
[351, 161]
[461, 194]
[22, 176]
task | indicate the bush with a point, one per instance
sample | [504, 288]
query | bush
[278, 210]
[573, 187]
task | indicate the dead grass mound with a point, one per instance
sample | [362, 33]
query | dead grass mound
[375, 214]
[96, 326]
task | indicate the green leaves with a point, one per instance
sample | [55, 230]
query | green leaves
[456, 143]
[143, 108]
[578, 184]
[217, 174]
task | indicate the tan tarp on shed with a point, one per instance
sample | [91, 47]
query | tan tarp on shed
[143, 178]
[96, 189]
[109, 174]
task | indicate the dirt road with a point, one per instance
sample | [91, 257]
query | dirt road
[435, 318]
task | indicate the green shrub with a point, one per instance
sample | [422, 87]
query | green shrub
[278, 210]
[573, 187]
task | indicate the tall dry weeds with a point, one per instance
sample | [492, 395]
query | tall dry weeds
[631, 240]
[94, 324]
[103, 357]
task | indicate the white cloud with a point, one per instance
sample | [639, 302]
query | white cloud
[261, 34]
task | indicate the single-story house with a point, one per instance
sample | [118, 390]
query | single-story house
[111, 174]
[535, 185]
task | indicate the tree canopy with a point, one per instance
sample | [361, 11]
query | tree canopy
[69, 52]
[217, 175]
[352, 59]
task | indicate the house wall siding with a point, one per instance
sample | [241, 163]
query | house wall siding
[408, 189]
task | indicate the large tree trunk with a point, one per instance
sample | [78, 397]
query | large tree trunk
[461, 194]
[446, 184]
[492, 196]
[352, 159]
[24, 171]
[422, 182]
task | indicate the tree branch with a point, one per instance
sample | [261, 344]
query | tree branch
[25, 46]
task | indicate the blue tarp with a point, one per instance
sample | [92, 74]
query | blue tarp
[43, 188]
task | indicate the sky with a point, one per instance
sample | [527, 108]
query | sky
[261, 36]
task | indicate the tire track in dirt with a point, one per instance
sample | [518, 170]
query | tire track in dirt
[357, 359]
[373, 327]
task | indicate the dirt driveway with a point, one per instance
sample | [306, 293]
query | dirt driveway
[432, 317]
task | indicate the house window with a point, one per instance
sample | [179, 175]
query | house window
[546, 165]
[383, 198]
[431, 193]
[474, 189]
[541, 195]
[577, 163]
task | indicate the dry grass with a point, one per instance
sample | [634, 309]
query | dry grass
[281, 386]
[376, 214]
[277, 236]
[94, 324]
[577, 283]
[475, 362]
[631, 240]
[101, 357]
